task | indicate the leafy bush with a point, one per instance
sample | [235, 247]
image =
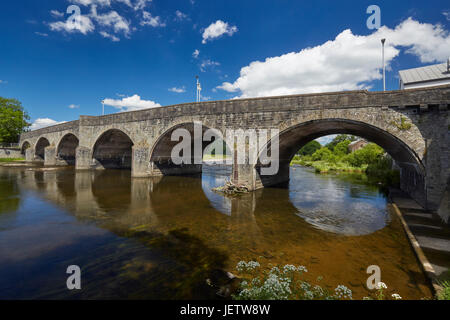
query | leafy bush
[370, 159]
[322, 154]
[309, 148]
[445, 293]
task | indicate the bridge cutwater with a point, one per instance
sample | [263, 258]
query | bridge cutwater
[411, 125]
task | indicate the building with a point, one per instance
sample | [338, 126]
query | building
[429, 76]
[356, 145]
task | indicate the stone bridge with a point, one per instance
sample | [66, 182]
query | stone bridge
[411, 125]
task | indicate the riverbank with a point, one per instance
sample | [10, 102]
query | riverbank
[383, 176]
[7, 160]
[429, 238]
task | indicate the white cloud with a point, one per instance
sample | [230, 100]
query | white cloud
[3, 82]
[57, 14]
[74, 106]
[326, 139]
[44, 122]
[111, 19]
[141, 4]
[41, 34]
[196, 53]
[208, 63]
[83, 24]
[447, 14]
[218, 29]
[178, 90]
[105, 3]
[180, 16]
[148, 19]
[131, 103]
[348, 62]
[107, 35]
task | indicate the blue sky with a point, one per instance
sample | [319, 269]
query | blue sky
[139, 54]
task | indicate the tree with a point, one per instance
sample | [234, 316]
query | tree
[340, 138]
[13, 120]
[370, 154]
[341, 149]
[322, 154]
[309, 148]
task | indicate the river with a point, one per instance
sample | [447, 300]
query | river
[161, 238]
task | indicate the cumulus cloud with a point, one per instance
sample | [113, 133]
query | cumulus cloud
[106, 3]
[73, 106]
[141, 4]
[217, 29]
[148, 19]
[349, 62]
[108, 22]
[82, 24]
[44, 122]
[131, 103]
[196, 53]
[111, 19]
[178, 90]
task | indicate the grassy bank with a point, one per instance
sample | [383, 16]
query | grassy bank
[336, 157]
[322, 166]
[5, 160]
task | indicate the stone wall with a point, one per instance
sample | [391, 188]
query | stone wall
[10, 153]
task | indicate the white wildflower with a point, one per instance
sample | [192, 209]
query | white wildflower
[396, 296]
[381, 285]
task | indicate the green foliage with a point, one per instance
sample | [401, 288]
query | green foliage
[445, 293]
[340, 138]
[10, 159]
[367, 155]
[309, 148]
[370, 159]
[322, 154]
[13, 120]
[403, 125]
[341, 148]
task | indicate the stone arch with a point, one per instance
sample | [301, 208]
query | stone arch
[160, 152]
[113, 149]
[39, 150]
[66, 150]
[292, 138]
[25, 145]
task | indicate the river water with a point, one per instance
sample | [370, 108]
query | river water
[161, 238]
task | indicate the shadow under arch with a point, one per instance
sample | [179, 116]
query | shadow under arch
[25, 145]
[41, 144]
[161, 151]
[66, 150]
[294, 138]
[113, 150]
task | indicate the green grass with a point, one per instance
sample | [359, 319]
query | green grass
[325, 167]
[11, 160]
[445, 293]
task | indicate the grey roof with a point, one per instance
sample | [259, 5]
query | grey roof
[428, 73]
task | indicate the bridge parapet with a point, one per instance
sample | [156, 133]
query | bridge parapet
[71, 125]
